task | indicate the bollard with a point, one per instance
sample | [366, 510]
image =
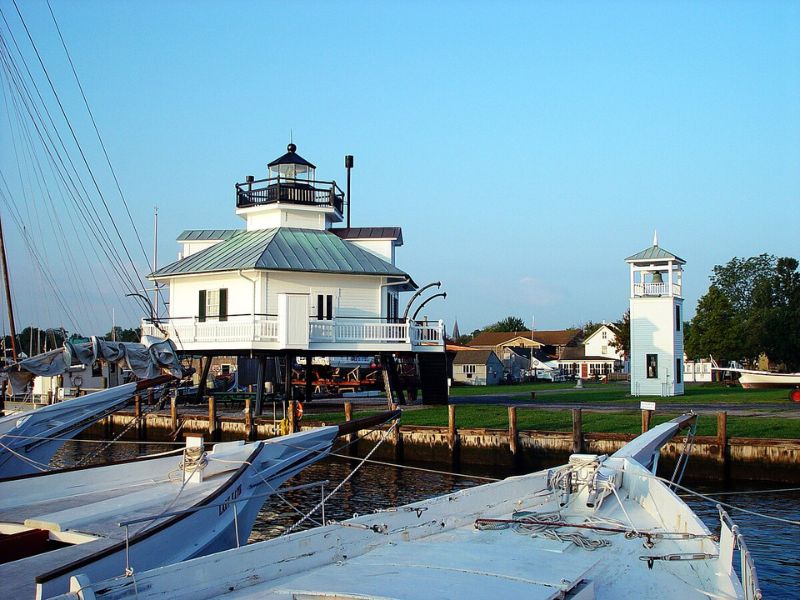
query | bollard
[577, 431]
[512, 429]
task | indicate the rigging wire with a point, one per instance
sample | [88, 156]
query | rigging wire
[78, 144]
[93, 221]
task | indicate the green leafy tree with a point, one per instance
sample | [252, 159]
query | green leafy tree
[751, 308]
[507, 324]
[124, 335]
[589, 328]
[715, 330]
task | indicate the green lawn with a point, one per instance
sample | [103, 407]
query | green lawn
[473, 416]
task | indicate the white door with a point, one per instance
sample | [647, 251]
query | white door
[293, 319]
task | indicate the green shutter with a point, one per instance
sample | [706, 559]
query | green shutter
[201, 309]
[223, 304]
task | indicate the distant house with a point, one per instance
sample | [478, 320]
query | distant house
[515, 365]
[477, 367]
[545, 344]
[597, 356]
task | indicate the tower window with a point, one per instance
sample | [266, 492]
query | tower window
[677, 318]
[652, 366]
[678, 371]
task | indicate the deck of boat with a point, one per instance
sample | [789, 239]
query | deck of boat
[74, 506]
[432, 549]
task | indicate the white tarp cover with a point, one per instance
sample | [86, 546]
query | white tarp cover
[146, 359]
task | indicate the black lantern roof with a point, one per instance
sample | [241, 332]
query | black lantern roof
[291, 158]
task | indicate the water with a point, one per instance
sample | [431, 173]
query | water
[775, 546]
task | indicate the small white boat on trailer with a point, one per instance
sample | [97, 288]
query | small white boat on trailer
[597, 527]
[29, 440]
[56, 525]
[765, 379]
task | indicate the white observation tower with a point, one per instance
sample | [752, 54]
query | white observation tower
[656, 347]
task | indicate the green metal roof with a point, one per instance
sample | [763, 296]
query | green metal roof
[654, 253]
[284, 249]
[206, 234]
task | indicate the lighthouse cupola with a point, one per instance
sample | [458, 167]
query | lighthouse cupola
[290, 196]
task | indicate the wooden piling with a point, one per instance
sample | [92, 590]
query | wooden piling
[577, 431]
[248, 419]
[397, 439]
[137, 414]
[151, 397]
[291, 416]
[212, 418]
[173, 412]
[452, 434]
[646, 414]
[722, 441]
[512, 430]
[348, 416]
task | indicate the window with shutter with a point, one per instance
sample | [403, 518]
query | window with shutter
[201, 308]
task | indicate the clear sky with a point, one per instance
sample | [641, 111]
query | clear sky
[525, 148]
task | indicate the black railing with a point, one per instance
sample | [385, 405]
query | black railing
[291, 191]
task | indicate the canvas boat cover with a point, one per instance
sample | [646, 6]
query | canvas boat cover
[145, 359]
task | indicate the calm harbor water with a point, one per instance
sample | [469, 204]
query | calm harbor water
[775, 546]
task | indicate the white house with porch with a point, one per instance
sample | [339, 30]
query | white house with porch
[290, 280]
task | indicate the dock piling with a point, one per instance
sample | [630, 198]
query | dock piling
[173, 412]
[722, 441]
[512, 430]
[212, 418]
[248, 419]
[646, 414]
[577, 431]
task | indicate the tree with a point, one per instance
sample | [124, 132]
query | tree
[751, 308]
[124, 335]
[715, 329]
[622, 333]
[589, 328]
[507, 324]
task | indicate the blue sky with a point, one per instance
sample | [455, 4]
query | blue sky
[525, 148]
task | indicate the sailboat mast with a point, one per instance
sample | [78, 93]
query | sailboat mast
[8, 294]
[155, 261]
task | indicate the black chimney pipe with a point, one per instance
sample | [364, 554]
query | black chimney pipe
[348, 164]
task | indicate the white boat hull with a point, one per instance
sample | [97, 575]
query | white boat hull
[763, 379]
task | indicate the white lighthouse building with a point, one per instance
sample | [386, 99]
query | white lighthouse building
[656, 348]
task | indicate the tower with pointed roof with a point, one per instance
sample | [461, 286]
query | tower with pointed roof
[656, 312]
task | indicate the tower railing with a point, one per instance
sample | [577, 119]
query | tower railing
[274, 190]
[656, 289]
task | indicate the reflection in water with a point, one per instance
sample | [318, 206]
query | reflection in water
[375, 487]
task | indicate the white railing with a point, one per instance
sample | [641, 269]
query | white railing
[427, 334]
[655, 289]
[189, 331]
[344, 331]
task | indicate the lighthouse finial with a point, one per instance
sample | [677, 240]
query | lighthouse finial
[655, 238]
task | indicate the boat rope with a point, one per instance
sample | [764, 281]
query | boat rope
[725, 504]
[683, 458]
[546, 525]
[34, 463]
[383, 438]
[421, 469]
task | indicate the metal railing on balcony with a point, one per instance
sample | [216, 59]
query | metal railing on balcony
[656, 289]
[275, 190]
